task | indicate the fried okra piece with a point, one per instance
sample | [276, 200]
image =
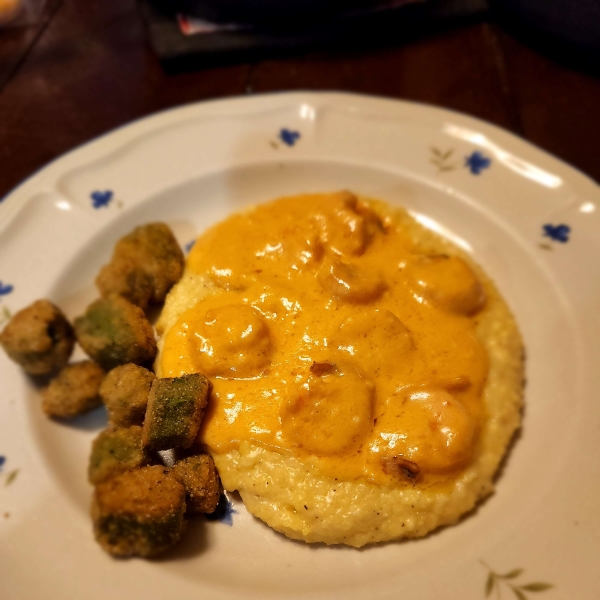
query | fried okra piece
[114, 451]
[125, 392]
[39, 338]
[139, 513]
[74, 391]
[115, 332]
[175, 411]
[144, 266]
[201, 482]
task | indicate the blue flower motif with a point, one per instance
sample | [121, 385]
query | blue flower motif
[476, 162]
[100, 199]
[2, 461]
[558, 233]
[224, 511]
[289, 137]
[5, 289]
[188, 247]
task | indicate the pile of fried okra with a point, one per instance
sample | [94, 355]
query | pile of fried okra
[139, 503]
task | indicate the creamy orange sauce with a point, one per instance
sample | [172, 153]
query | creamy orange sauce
[331, 337]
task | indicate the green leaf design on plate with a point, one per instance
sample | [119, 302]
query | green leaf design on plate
[440, 159]
[518, 593]
[11, 477]
[6, 315]
[502, 582]
[538, 586]
[489, 584]
[511, 574]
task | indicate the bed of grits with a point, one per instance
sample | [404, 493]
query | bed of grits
[293, 496]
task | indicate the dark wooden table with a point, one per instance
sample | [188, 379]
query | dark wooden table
[86, 68]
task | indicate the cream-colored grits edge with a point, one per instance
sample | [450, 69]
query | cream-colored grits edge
[297, 499]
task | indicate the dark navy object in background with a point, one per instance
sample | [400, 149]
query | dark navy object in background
[574, 21]
[568, 30]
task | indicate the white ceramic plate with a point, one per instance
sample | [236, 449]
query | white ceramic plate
[529, 219]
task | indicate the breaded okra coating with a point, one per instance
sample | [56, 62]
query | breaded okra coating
[201, 482]
[139, 513]
[114, 451]
[74, 391]
[144, 266]
[115, 332]
[125, 394]
[175, 411]
[39, 338]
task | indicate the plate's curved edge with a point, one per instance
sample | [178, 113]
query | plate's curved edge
[115, 139]
[292, 99]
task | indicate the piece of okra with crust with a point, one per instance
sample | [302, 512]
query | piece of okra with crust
[201, 482]
[39, 338]
[74, 391]
[114, 332]
[114, 451]
[139, 513]
[175, 411]
[145, 264]
[125, 392]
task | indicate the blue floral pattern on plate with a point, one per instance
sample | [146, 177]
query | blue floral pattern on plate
[476, 162]
[224, 511]
[101, 199]
[557, 233]
[445, 160]
[289, 137]
[5, 288]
